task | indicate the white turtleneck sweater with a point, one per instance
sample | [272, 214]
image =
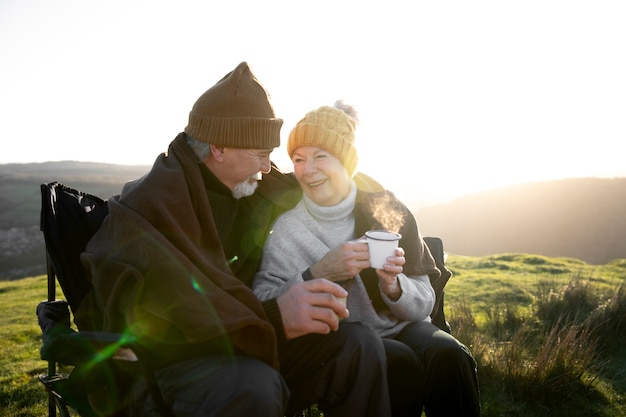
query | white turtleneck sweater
[303, 235]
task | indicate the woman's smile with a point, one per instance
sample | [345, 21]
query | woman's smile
[316, 183]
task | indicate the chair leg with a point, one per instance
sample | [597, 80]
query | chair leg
[54, 400]
[52, 406]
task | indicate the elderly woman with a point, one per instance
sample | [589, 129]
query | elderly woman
[319, 238]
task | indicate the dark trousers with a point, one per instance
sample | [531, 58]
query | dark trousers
[218, 386]
[429, 369]
[343, 372]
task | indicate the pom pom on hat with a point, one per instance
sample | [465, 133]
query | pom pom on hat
[236, 112]
[331, 129]
[348, 109]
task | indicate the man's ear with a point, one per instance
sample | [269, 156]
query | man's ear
[217, 152]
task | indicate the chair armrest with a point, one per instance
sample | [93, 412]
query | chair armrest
[63, 345]
[77, 348]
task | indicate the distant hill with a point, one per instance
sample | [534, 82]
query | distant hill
[21, 243]
[578, 218]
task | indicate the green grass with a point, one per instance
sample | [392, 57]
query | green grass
[513, 278]
[21, 393]
[548, 334]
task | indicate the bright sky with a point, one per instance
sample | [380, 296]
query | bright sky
[459, 96]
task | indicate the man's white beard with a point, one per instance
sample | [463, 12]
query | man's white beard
[244, 189]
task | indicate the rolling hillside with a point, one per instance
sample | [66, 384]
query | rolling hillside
[21, 243]
[578, 218]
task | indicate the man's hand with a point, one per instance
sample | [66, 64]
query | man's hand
[343, 262]
[312, 307]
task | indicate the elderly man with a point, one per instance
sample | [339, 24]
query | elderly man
[173, 262]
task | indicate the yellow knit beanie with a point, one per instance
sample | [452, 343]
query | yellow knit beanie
[331, 129]
[236, 112]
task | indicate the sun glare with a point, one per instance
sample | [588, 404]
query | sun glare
[454, 97]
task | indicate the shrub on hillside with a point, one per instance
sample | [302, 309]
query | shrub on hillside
[574, 302]
[545, 362]
[608, 320]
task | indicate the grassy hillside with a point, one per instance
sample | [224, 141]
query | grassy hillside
[20, 338]
[548, 334]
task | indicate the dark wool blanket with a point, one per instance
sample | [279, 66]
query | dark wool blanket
[160, 273]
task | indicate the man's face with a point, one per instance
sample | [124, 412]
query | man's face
[246, 167]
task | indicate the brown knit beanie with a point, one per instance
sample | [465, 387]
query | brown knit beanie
[331, 129]
[236, 112]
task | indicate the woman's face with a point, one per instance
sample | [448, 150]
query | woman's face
[320, 175]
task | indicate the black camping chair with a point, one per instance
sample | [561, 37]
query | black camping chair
[438, 316]
[99, 362]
